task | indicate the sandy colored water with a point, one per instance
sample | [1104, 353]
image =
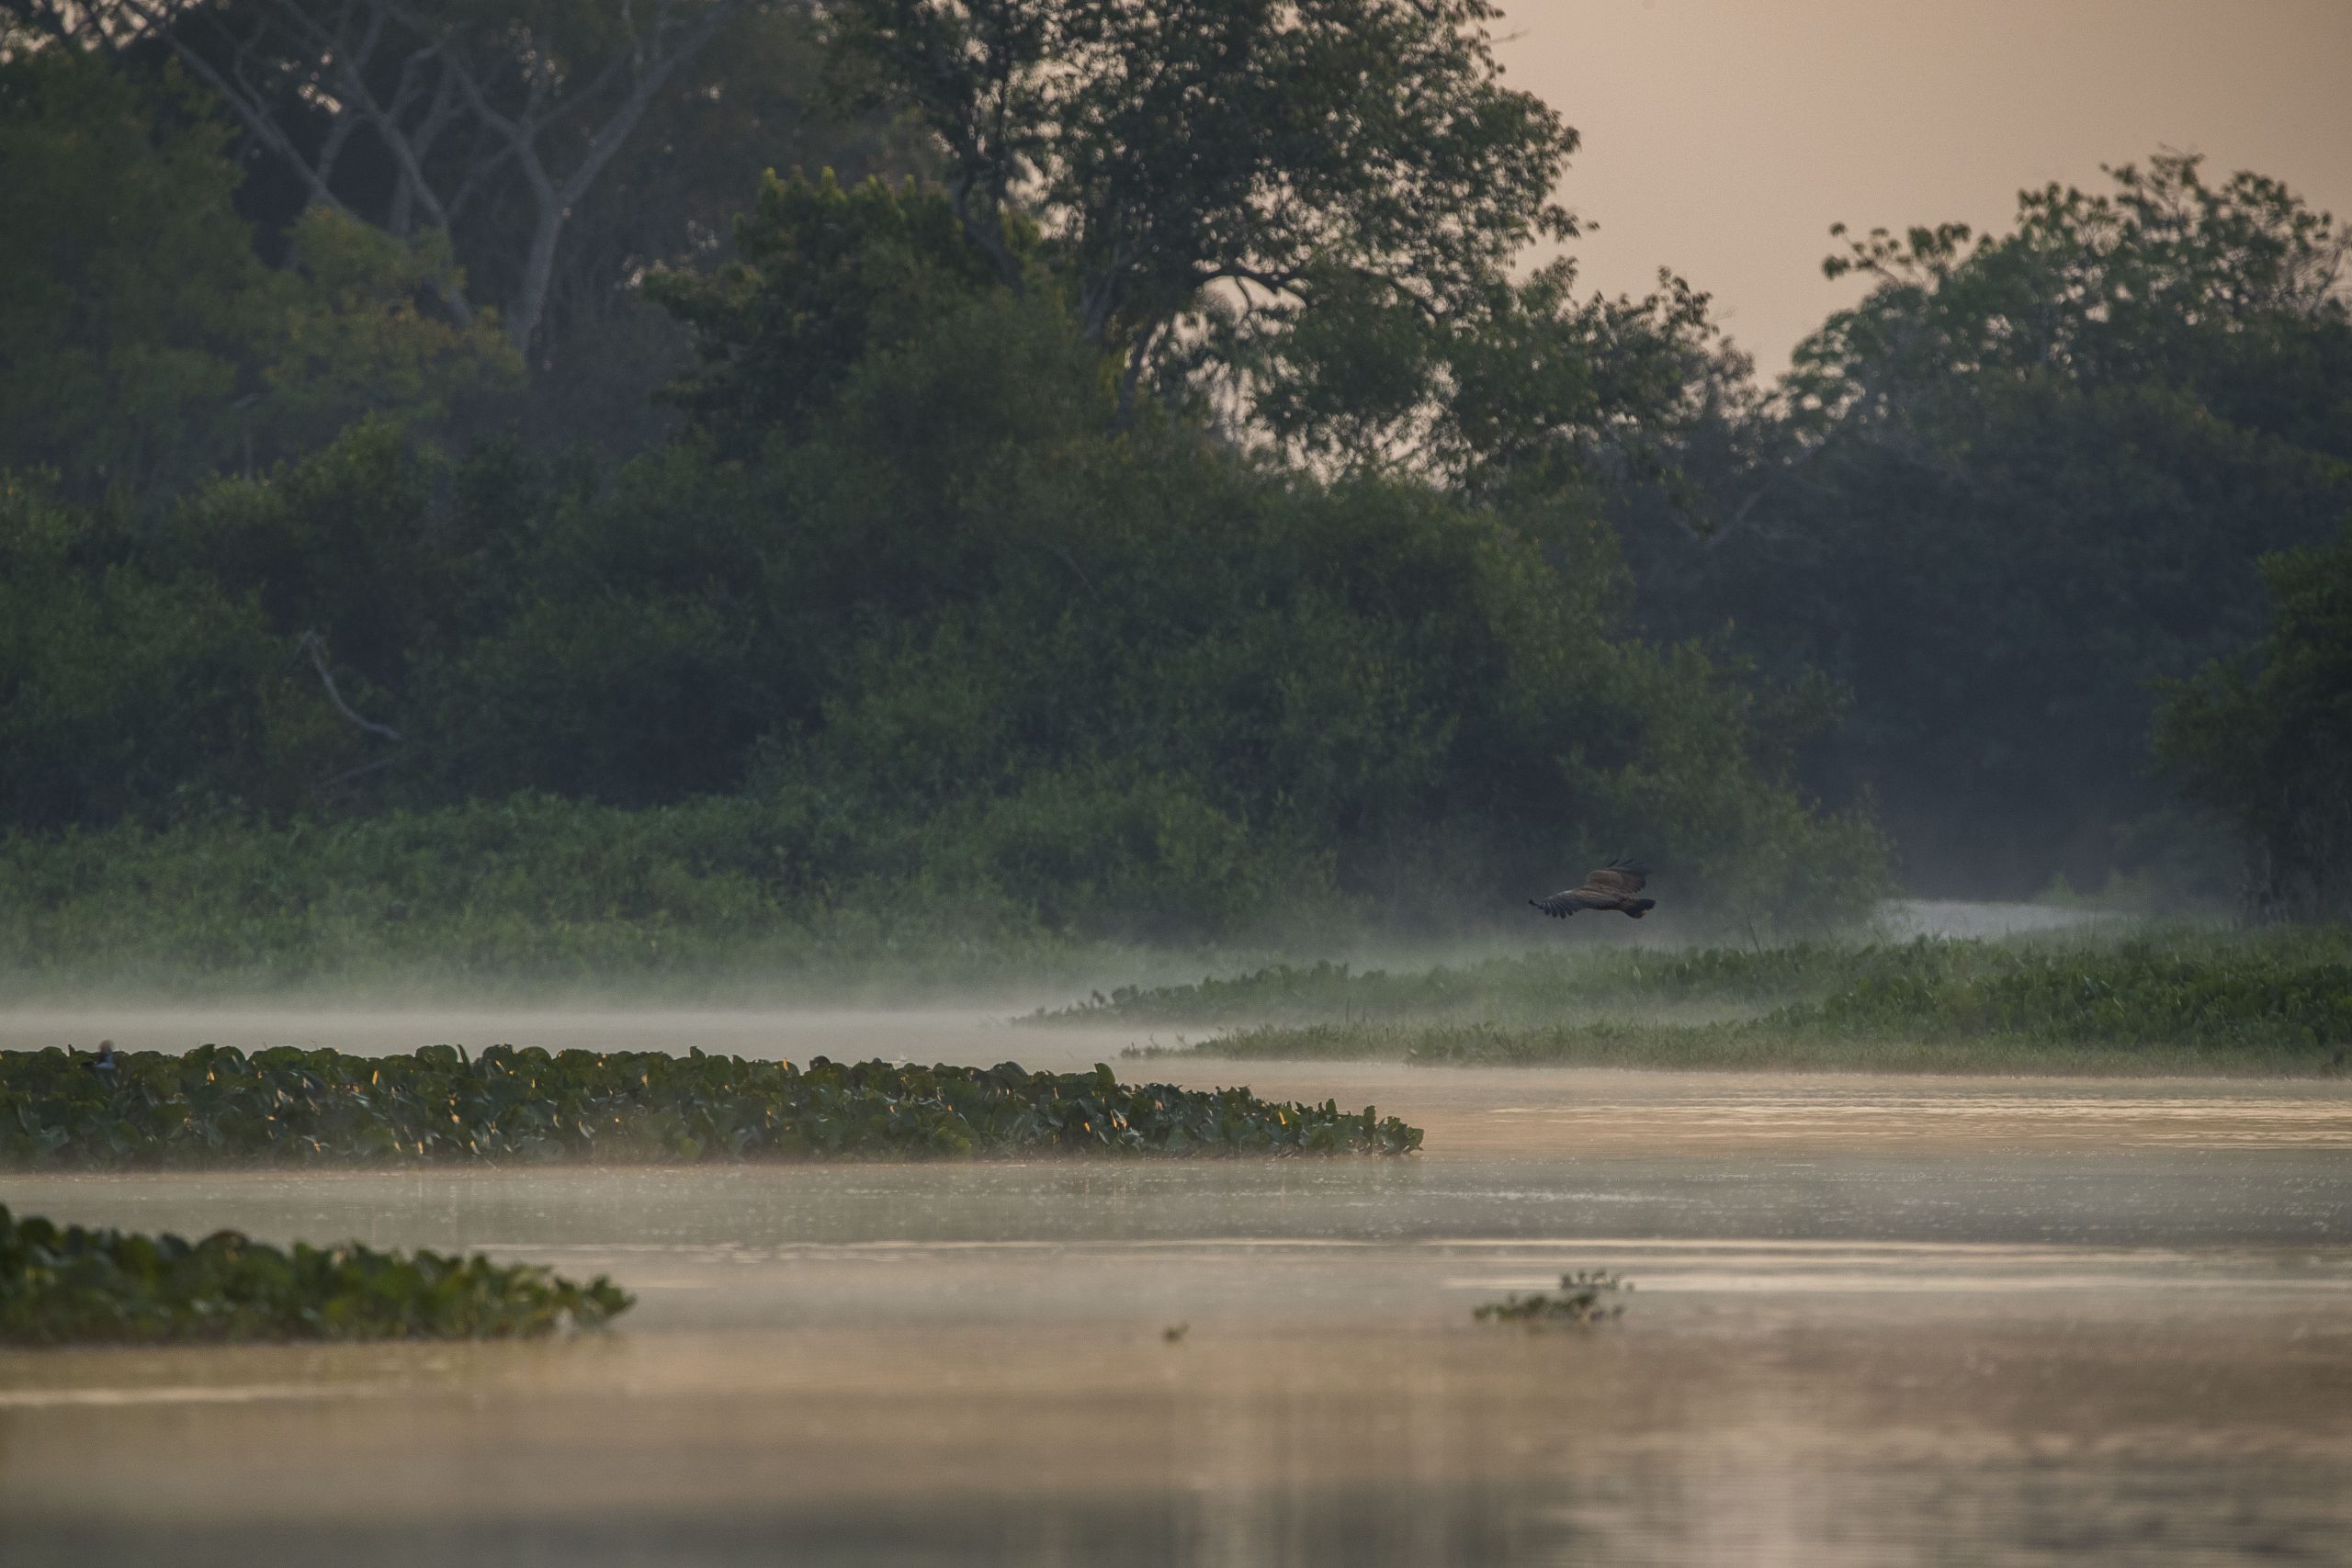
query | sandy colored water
[1878, 1321]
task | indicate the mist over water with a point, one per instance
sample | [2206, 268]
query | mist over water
[2058, 1318]
[979, 1027]
[1155, 552]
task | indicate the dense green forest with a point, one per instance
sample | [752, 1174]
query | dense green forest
[2024, 485]
[539, 482]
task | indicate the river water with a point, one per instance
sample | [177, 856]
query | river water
[1876, 1321]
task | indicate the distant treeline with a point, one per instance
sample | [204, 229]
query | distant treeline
[2024, 492]
[1065, 535]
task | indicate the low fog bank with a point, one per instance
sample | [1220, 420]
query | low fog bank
[752, 1015]
[1900, 919]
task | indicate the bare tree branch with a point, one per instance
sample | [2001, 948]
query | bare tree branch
[244, 98]
[334, 59]
[315, 645]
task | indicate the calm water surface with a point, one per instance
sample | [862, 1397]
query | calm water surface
[1879, 1321]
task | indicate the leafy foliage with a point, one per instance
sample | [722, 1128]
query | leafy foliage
[2265, 738]
[2019, 483]
[1185, 512]
[73, 1285]
[1264, 145]
[130, 684]
[602, 143]
[218, 1105]
[1113, 685]
[1522, 387]
[148, 345]
[823, 278]
[926, 610]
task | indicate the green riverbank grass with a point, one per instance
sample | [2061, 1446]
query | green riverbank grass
[2269, 1002]
[721, 898]
[1725, 1048]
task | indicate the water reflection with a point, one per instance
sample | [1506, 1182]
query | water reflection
[1876, 1323]
[1848, 1442]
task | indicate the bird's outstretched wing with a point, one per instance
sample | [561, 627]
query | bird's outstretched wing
[1559, 906]
[1619, 878]
[1613, 887]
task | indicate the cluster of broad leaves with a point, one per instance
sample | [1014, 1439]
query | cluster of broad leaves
[218, 1105]
[71, 1284]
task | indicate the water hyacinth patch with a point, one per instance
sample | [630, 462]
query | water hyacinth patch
[218, 1105]
[1583, 1298]
[71, 1285]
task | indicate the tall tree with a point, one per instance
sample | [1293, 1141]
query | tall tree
[423, 117]
[2026, 477]
[1258, 152]
[2264, 738]
[146, 343]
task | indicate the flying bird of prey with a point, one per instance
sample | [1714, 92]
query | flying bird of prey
[1613, 887]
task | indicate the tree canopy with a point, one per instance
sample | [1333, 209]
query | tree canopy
[148, 345]
[2024, 479]
[1143, 477]
[933, 620]
[2264, 738]
[1255, 151]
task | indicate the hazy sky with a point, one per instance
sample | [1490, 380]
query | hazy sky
[1723, 137]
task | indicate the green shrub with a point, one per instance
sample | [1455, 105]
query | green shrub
[146, 344]
[130, 685]
[72, 1285]
[2265, 739]
[285, 1105]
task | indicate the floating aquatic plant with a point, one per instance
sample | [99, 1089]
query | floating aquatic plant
[1584, 1297]
[218, 1105]
[73, 1285]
